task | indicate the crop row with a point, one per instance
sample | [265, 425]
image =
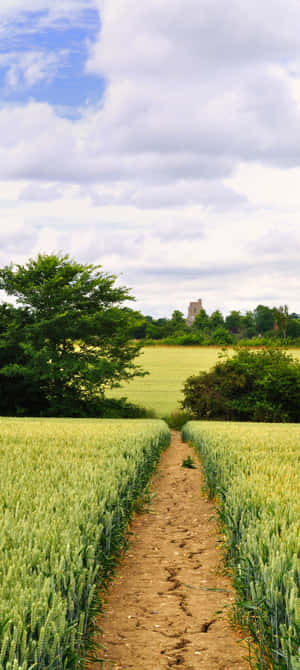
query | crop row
[67, 491]
[253, 471]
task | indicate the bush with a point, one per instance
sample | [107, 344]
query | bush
[221, 336]
[121, 408]
[259, 385]
[99, 408]
[177, 419]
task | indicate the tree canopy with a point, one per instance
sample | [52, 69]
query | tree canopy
[68, 338]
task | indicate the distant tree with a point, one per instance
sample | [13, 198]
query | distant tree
[216, 320]
[293, 329]
[264, 318]
[139, 330]
[157, 329]
[248, 325]
[281, 315]
[201, 320]
[233, 321]
[69, 339]
[177, 321]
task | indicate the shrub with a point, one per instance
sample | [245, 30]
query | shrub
[106, 408]
[259, 385]
[221, 336]
[121, 408]
[177, 419]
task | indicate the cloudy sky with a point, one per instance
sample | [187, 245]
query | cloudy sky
[159, 138]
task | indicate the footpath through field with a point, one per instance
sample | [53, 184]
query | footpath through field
[169, 603]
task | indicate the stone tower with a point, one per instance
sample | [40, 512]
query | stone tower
[194, 309]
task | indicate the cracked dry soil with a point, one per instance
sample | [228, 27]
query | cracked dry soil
[169, 603]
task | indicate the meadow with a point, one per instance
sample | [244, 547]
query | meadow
[68, 489]
[169, 367]
[253, 470]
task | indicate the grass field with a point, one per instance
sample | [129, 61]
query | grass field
[169, 367]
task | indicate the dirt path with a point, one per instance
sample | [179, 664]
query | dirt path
[169, 603]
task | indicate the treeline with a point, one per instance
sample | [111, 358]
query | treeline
[263, 325]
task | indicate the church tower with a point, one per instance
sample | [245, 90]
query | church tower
[194, 309]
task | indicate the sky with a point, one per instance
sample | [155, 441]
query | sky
[160, 139]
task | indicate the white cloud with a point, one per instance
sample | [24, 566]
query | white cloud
[268, 186]
[167, 259]
[25, 69]
[210, 193]
[185, 177]
[45, 193]
[151, 36]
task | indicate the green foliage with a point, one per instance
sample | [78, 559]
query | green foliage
[216, 320]
[68, 341]
[234, 321]
[201, 321]
[16, 393]
[253, 470]
[221, 336]
[282, 319]
[263, 323]
[264, 318]
[183, 340]
[121, 408]
[259, 385]
[178, 321]
[293, 329]
[248, 328]
[177, 419]
[68, 490]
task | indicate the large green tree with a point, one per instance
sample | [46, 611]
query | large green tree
[68, 339]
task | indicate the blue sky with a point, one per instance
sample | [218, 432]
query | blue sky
[158, 139]
[65, 85]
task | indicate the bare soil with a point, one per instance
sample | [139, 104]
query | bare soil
[170, 602]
